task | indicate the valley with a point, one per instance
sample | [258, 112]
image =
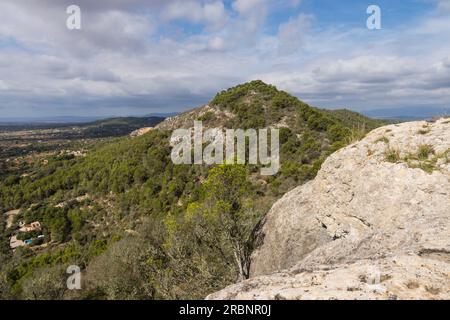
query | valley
[108, 203]
[23, 145]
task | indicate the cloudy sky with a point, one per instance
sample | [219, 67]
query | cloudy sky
[137, 57]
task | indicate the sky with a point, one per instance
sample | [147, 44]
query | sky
[138, 57]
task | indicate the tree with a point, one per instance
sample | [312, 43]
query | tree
[128, 268]
[45, 284]
[5, 290]
[228, 211]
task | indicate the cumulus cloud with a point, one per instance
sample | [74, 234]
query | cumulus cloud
[213, 14]
[247, 6]
[253, 12]
[291, 35]
[444, 5]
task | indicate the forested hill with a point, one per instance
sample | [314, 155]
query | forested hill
[256, 105]
[141, 227]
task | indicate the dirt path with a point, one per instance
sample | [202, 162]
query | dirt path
[10, 217]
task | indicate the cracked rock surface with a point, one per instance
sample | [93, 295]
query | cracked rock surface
[369, 226]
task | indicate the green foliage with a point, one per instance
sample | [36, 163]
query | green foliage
[425, 151]
[226, 184]
[207, 116]
[382, 139]
[392, 155]
[48, 283]
[426, 158]
[26, 269]
[423, 131]
[353, 119]
[229, 213]
[249, 116]
[154, 230]
[229, 98]
[28, 235]
[337, 132]
[214, 238]
[4, 247]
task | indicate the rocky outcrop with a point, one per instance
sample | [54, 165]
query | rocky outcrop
[402, 277]
[375, 224]
[140, 132]
[211, 116]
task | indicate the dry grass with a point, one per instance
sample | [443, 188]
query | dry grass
[425, 151]
[382, 139]
[392, 155]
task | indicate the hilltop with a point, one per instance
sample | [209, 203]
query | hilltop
[256, 105]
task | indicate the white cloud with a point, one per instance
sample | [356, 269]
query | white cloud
[247, 7]
[444, 5]
[213, 13]
[291, 35]
[296, 3]
[217, 43]
[129, 56]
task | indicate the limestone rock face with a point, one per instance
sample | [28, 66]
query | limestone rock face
[402, 277]
[140, 132]
[211, 116]
[378, 209]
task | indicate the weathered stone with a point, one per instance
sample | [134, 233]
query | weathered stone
[140, 132]
[362, 211]
[402, 277]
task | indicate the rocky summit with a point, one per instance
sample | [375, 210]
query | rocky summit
[374, 224]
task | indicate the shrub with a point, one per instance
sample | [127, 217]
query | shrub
[206, 116]
[425, 151]
[392, 155]
[382, 139]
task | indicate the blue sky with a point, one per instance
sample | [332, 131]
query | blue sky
[138, 57]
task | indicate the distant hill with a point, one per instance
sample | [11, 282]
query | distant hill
[352, 118]
[90, 129]
[408, 113]
[47, 120]
[31, 138]
[162, 114]
[118, 126]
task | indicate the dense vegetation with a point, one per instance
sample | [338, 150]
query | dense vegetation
[21, 140]
[141, 227]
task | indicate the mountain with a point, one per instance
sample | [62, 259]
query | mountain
[121, 125]
[141, 227]
[47, 120]
[256, 105]
[373, 224]
[408, 113]
[60, 121]
[162, 114]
